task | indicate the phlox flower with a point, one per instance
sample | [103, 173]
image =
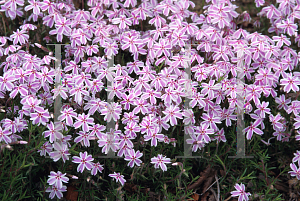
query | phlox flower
[6, 82]
[41, 116]
[60, 151]
[160, 161]
[275, 121]
[133, 158]
[296, 171]
[122, 21]
[54, 190]
[45, 148]
[84, 138]
[4, 135]
[19, 36]
[288, 26]
[35, 6]
[111, 111]
[154, 136]
[118, 177]
[67, 115]
[85, 161]
[53, 131]
[196, 141]
[57, 179]
[84, 121]
[290, 83]
[297, 157]
[96, 168]
[172, 113]
[252, 128]
[240, 191]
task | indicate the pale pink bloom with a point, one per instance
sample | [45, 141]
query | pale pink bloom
[85, 161]
[53, 131]
[57, 179]
[60, 151]
[67, 115]
[133, 158]
[118, 177]
[54, 190]
[84, 121]
[160, 161]
[240, 191]
[96, 168]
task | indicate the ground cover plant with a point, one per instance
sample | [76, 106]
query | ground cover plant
[133, 92]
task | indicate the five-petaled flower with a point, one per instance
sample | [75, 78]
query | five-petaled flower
[252, 128]
[118, 177]
[20, 36]
[133, 158]
[240, 191]
[296, 171]
[85, 161]
[160, 161]
[290, 83]
[57, 179]
[84, 121]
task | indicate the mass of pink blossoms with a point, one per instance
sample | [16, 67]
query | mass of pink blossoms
[147, 95]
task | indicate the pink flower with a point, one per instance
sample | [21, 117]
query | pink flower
[78, 90]
[35, 5]
[85, 161]
[40, 116]
[281, 39]
[162, 46]
[111, 111]
[288, 27]
[96, 168]
[54, 190]
[262, 109]
[110, 141]
[220, 136]
[62, 26]
[53, 132]
[189, 117]
[275, 123]
[6, 82]
[84, 138]
[45, 148]
[118, 177]
[132, 128]
[297, 157]
[211, 120]
[133, 158]
[19, 36]
[4, 135]
[122, 21]
[203, 132]
[296, 171]
[282, 102]
[84, 121]
[153, 136]
[132, 43]
[196, 141]
[290, 83]
[60, 151]
[240, 191]
[294, 107]
[160, 161]
[57, 179]
[67, 115]
[252, 128]
[172, 113]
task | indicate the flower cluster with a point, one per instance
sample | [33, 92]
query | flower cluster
[149, 94]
